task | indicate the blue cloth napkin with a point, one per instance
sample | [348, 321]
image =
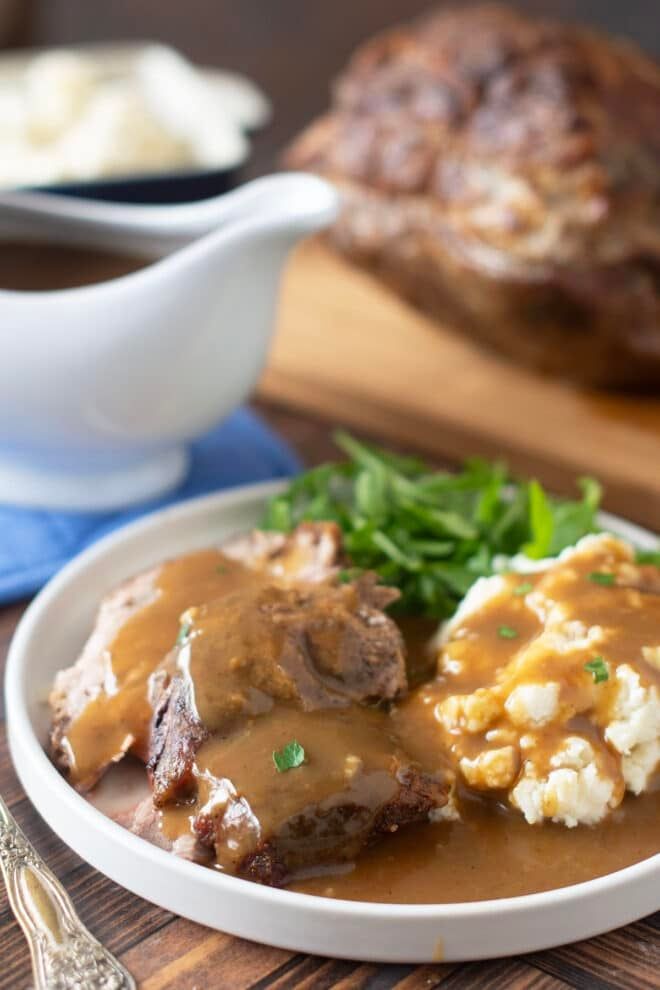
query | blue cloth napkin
[34, 543]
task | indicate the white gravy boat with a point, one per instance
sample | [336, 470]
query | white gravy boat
[101, 386]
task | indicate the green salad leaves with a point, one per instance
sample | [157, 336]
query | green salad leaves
[431, 533]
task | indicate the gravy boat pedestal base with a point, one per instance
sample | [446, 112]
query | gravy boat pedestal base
[97, 490]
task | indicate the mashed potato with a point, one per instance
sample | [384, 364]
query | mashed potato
[549, 692]
[70, 116]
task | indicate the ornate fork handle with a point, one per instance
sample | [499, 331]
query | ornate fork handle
[65, 956]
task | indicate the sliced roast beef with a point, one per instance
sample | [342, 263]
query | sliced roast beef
[350, 783]
[312, 552]
[144, 820]
[75, 687]
[331, 832]
[271, 655]
[270, 668]
[176, 736]
[313, 646]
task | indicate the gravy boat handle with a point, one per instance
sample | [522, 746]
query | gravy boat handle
[161, 229]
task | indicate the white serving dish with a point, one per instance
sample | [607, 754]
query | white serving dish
[51, 634]
[101, 386]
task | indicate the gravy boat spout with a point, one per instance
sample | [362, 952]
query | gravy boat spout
[101, 386]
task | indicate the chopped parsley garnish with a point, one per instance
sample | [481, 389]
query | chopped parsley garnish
[507, 632]
[524, 588]
[602, 577]
[221, 569]
[598, 670]
[431, 533]
[184, 632]
[289, 757]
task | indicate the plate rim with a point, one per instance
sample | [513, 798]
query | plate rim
[23, 738]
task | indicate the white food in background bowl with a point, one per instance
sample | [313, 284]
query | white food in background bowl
[209, 121]
[69, 116]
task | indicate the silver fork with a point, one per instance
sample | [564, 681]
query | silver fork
[65, 955]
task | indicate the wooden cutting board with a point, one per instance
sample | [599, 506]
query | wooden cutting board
[350, 350]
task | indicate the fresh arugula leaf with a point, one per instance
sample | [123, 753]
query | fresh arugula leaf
[370, 497]
[430, 548]
[430, 533]
[511, 529]
[278, 514]
[457, 578]
[480, 562]
[361, 454]
[442, 522]
[391, 550]
[572, 520]
[541, 521]
[289, 757]
[489, 501]
[524, 588]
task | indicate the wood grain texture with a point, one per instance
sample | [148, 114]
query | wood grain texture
[345, 342]
[292, 48]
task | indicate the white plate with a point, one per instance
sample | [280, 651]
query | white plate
[51, 634]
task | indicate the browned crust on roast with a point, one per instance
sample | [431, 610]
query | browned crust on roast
[503, 174]
[419, 794]
[265, 867]
[176, 735]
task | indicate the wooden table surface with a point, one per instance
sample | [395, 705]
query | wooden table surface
[292, 47]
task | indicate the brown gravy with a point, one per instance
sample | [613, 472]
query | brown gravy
[491, 853]
[494, 853]
[96, 738]
[44, 267]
